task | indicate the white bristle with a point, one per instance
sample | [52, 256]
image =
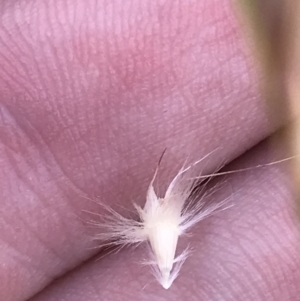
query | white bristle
[161, 222]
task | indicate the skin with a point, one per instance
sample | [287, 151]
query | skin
[91, 94]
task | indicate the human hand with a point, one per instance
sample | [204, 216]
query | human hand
[91, 93]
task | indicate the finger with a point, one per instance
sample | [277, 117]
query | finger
[88, 104]
[248, 252]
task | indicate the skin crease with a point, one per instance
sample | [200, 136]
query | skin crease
[91, 94]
